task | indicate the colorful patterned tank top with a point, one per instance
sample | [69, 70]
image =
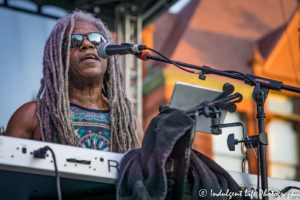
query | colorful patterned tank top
[92, 127]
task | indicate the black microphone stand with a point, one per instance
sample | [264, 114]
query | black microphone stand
[260, 93]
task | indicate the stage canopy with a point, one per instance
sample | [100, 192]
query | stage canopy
[104, 9]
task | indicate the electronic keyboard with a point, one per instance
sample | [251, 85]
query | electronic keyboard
[83, 172]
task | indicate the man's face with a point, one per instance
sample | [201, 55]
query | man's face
[80, 67]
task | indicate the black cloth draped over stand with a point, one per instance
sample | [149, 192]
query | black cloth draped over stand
[143, 175]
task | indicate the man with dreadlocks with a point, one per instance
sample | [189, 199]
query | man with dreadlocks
[81, 101]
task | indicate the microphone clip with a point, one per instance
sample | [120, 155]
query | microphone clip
[204, 70]
[135, 47]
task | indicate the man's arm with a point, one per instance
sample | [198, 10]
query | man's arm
[23, 123]
[140, 131]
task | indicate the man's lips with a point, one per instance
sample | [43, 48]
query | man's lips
[89, 61]
[90, 57]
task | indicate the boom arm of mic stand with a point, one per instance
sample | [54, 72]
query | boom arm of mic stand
[273, 84]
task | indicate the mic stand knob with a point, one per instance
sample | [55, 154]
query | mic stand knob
[215, 122]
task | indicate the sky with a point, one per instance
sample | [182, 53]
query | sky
[23, 37]
[177, 7]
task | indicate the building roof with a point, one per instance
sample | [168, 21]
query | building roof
[268, 42]
[277, 56]
[219, 33]
[170, 28]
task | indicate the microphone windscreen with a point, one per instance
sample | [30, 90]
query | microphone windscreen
[101, 50]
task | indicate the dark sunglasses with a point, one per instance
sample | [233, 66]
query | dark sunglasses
[77, 39]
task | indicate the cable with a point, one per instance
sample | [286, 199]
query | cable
[41, 153]
[285, 190]
[235, 72]
[194, 72]
[244, 75]
[170, 60]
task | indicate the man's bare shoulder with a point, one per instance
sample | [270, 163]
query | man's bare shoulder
[23, 122]
[28, 109]
[28, 106]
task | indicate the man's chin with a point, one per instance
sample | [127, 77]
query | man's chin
[92, 75]
[86, 71]
[90, 68]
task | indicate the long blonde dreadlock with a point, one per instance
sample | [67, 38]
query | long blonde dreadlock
[53, 108]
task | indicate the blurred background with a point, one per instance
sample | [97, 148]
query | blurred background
[259, 37]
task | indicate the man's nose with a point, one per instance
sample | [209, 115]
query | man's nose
[86, 44]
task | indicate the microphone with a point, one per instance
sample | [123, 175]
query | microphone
[106, 50]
